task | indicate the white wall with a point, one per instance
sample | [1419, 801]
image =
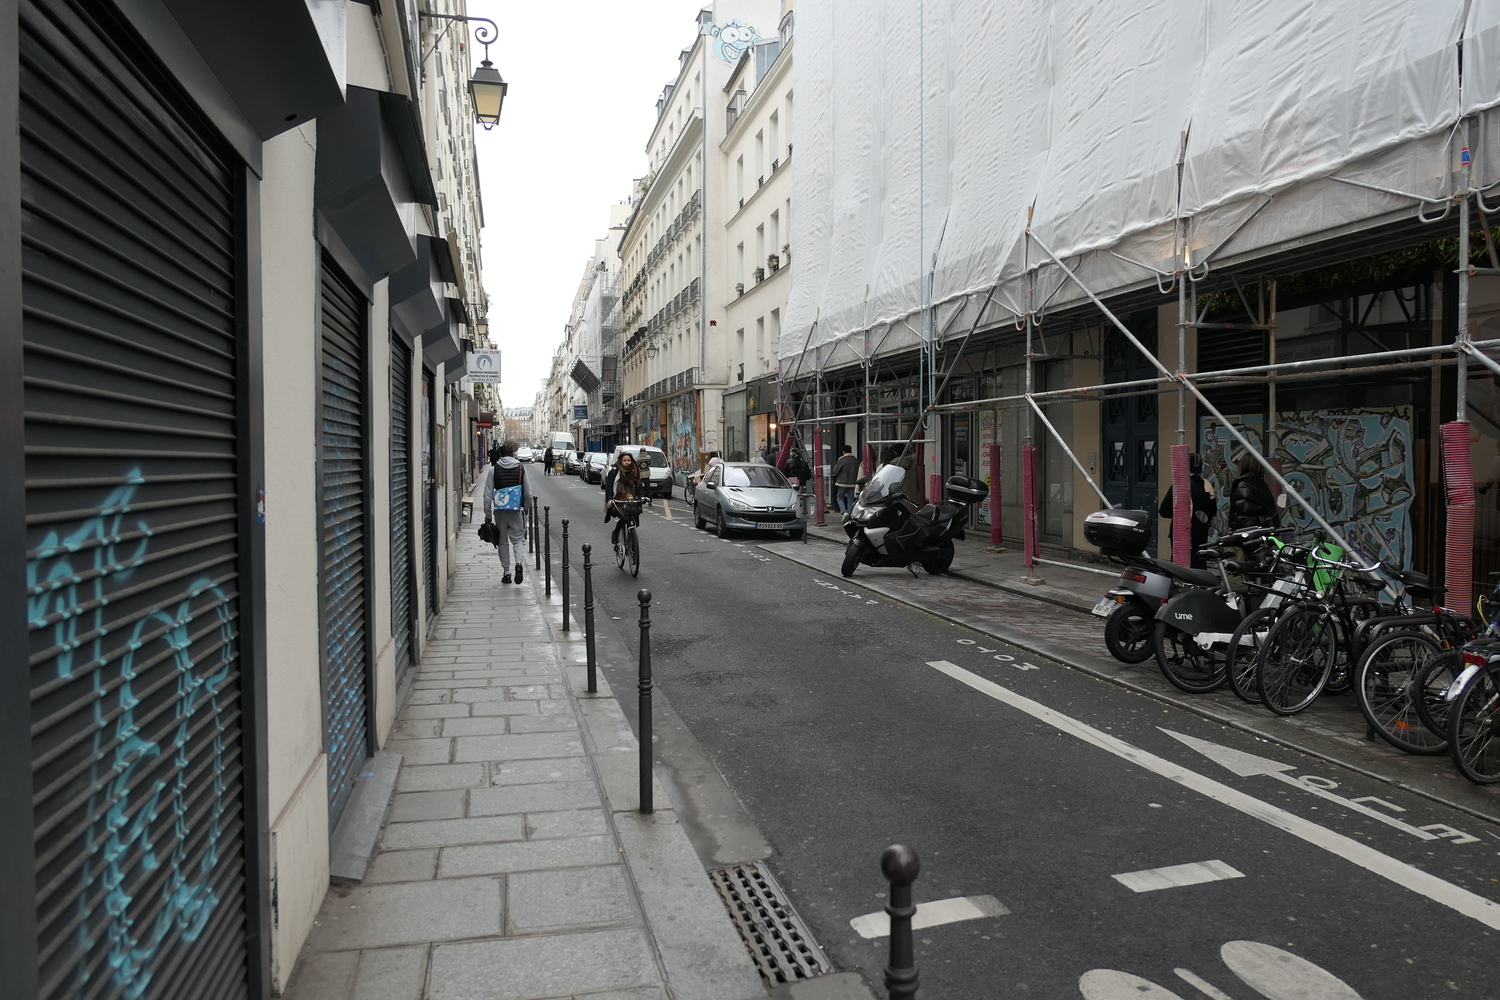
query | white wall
[297, 782]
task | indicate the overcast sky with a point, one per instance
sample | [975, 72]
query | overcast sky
[584, 78]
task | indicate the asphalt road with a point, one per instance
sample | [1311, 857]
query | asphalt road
[1016, 778]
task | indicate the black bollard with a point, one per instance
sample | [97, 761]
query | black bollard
[536, 550]
[901, 865]
[588, 617]
[565, 575]
[547, 543]
[644, 597]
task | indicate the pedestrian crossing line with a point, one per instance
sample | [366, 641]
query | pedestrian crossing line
[1442, 892]
[933, 914]
[1176, 876]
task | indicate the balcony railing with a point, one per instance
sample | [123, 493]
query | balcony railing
[667, 386]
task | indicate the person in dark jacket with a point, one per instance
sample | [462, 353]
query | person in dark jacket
[1251, 502]
[845, 477]
[511, 524]
[798, 469]
[547, 459]
[1205, 507]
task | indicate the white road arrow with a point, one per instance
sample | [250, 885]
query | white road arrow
[1247, 765]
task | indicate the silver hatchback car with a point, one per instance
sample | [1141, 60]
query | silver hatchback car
[747, 496]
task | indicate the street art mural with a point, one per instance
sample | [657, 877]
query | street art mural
[139, 782]
[1354, 464]
[682, 449]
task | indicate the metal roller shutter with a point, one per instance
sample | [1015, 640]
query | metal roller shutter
[429, 488]
[344, 562]
[401, 577]
[131, 391]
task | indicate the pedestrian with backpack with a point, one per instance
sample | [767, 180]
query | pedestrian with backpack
[506, 496]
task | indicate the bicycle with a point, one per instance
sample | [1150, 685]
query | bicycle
[626, 544]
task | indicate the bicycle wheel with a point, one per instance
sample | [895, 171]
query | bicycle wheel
[1294, 664]
[1244, 648]
[1387, 689]
[1430, 686]
[619, 543]
[1185, 663]
[1473, 725]
[1341, 677]
[633, 547]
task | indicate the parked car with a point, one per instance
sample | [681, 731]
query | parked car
[747, 496]
[525, 454]
[655, 462]
[572, 462]
[595, 466]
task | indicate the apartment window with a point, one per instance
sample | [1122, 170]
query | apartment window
[775, 330]
[786, 120]
[760, 338]
[775, 127]
[760, 153]
[760, 245]
[739, 179]
[740, 253]
[776, 233]
[739, 351]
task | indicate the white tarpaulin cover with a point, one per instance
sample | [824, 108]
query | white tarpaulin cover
[928, 131]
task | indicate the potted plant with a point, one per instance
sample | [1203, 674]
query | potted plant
[786, 252]
[773, 263]
[760, 275]
[739, 288]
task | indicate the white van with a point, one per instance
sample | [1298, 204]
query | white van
[654, 465]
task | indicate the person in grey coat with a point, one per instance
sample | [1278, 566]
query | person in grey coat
[508, 471]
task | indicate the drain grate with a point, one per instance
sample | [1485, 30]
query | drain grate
[780, 943]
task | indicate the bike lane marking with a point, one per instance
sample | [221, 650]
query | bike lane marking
[933, 914]
[1176, 876]
[1408, 876]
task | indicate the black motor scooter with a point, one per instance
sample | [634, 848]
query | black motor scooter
[886, 529]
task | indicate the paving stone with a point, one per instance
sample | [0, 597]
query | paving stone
[441, 832]
[644, 993]
[549, 797]
[411, 728]
[542, 724]
[327, 976]
[410, 806]
[493, 708]
[391, 974]
[529, 691]
[402, 866]
[523, 746]
[553, 966]
[526, 855]
[434, 776]
[422, 751]
[573, 897]
[576, 823]
[488, 725]
[529, 772]
[374, 916]
[425, 697]
[434, 711]
[472, 694]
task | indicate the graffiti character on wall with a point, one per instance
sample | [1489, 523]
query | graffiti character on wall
[732, 39]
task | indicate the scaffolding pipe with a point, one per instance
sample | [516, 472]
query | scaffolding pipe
[1482, 357]
[1068, 451]
[1265, 463]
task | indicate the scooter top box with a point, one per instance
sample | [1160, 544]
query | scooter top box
[1118, 532]
[965, 490]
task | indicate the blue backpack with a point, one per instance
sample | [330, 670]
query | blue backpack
[509, 497]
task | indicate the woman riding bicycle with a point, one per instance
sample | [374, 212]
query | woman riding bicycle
[622, 483]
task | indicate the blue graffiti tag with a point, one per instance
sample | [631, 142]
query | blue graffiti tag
[71, 602]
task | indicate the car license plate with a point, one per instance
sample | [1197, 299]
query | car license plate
[1105, 606]
[763, 526]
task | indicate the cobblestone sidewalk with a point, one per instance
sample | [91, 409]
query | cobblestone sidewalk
[502, 872]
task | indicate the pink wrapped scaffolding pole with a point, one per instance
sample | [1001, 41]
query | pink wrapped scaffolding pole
[1458, 483]
[994, 499]
[1028, 509]
[1182, 507]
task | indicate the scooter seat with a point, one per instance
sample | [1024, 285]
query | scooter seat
[1197, 577]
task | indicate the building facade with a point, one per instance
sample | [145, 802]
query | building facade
[756, 158]
[676, 362]
[239, 427]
